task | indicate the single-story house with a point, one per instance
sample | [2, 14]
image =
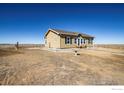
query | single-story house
[55, 38]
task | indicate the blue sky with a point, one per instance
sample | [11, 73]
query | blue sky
[27, 23]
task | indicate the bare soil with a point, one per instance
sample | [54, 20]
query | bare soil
[42, 67]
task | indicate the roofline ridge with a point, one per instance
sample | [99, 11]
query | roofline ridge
[57, 31]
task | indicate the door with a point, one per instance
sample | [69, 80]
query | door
[78, 42]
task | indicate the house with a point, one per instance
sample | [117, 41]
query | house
[55, 38]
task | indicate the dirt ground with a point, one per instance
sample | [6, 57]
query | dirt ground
[41, 67]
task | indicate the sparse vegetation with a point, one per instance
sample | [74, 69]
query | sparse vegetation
[42, 67]
[112, 46]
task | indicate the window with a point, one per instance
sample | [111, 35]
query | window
[67, 40]
[90, 41]
[84, 41]
[75, 40]
[81, 41]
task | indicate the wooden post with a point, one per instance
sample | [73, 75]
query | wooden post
[17, 46]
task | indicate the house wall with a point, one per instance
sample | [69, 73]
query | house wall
[63, 45]
[55, 41]
[52, 40]
[73, 45]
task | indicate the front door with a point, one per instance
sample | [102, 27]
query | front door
[78, 42]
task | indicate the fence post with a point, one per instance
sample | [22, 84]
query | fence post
[17, 46]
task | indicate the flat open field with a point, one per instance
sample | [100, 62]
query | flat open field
[95, 66]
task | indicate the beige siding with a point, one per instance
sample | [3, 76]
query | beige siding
[55, 41]
[52, 40]
[63, 45]
[73, 45]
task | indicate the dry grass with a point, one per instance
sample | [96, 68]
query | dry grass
[112, 46]
[41, 67]
[8, 52]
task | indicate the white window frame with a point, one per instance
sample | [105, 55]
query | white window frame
[68, 40]
[75, 40]
[81, 41]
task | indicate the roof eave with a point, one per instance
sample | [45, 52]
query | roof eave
[50, 30]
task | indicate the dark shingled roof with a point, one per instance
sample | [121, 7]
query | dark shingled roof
[63, 32]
